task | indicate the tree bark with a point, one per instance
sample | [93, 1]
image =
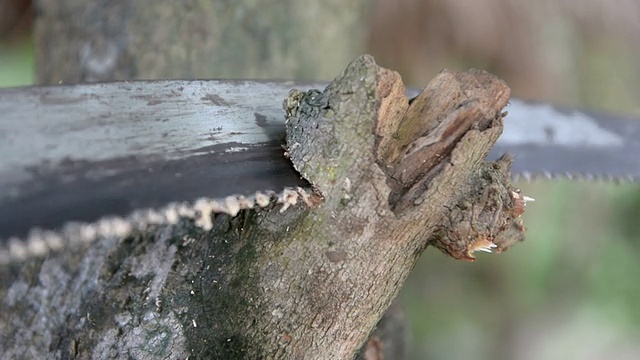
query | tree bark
[79, 40]
[306, 282]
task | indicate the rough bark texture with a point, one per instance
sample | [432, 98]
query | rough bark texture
[79, 40]
[304, 283]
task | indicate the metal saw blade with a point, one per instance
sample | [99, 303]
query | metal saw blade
[548, 141]
[77, 154]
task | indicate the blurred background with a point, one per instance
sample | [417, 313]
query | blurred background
[572, 289]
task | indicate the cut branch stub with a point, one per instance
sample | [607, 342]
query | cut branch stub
[450, 106]
[362, 139]
[330, 134]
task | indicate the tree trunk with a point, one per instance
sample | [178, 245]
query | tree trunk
[303, 283]
[308, 282]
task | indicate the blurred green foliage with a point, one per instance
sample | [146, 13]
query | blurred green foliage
[16, 64]
[570, 290]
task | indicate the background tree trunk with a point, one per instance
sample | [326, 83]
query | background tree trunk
[78, 40]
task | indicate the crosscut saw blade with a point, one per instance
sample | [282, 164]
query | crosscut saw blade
[549, 141]
[86, 160]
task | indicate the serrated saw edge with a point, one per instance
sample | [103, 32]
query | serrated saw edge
[530, 177]
[40, 243]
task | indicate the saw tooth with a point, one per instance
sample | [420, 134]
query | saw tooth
[55, 242]
[216, 206]
[42, 245]
[262, 199]
[37, 245]
[305, 197]
[621, 179]
[171, 214]
[140, 217]
[184, 210]
[245, 203]
[18, 249]
[154, 217]
[626, 179]
[105, 227]
[203, 209]
[121, 228]
[232, 205]
[288, 197]
[87, 231]
[581, 176]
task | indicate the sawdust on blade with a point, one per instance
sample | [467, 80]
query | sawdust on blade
[40, 243]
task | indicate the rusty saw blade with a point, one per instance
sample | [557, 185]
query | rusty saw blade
[153, 151]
